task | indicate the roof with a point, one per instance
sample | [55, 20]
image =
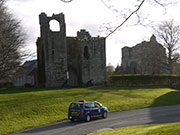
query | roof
[84, 102]
[29, 66]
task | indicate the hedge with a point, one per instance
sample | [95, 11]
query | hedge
[144, 80]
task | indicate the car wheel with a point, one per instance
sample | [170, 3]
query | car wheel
[88, 118]
[71, 119]
[105, 115]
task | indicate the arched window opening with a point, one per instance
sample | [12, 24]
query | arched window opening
[86, 52]
[54, 25]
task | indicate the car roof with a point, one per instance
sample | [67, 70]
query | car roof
[86, 102]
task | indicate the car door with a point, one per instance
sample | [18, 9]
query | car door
[97, 109]
[90, 108]
[93, 110]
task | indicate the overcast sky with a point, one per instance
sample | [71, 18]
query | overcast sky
[90, 15]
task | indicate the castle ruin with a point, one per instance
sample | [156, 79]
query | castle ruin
[144, 58]
[73, 61]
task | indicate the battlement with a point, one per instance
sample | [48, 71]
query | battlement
[84, 35]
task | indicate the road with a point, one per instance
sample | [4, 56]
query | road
[115, 120]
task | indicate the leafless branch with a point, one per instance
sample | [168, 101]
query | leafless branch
[110, 6]
[169, 35]
[127, 18]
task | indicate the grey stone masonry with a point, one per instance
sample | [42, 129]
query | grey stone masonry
[69, 61]
[144, 58]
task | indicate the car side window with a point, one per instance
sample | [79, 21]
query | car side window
[96, 105]
[89, 105]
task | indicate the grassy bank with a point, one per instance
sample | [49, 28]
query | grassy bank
[20, 109]
[156, 129]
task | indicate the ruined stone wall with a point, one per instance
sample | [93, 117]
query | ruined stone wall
[144, 58]
[74, 61]
[86, 59]
[55, 51]
[40, 64]
[93, 61]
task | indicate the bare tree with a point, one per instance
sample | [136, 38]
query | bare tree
[134, 10]
[168, 33]
[12, 41]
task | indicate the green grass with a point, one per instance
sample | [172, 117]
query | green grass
[156, 129]
[20, 108]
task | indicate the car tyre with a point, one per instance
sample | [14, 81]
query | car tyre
[72, 120]
[105, 115]
[88, 118]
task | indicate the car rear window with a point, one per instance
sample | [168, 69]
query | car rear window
[76, 106]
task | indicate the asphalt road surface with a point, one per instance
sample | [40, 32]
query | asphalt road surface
[153, 115]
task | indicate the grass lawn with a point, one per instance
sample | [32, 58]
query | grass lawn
[24, 108]
[156, 129]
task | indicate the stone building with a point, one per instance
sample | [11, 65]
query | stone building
[144, 58]
[73, 61]
[26, 75]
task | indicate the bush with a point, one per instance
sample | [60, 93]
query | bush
[144, 80]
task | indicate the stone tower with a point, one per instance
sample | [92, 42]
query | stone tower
[52, 52]
[74, 61]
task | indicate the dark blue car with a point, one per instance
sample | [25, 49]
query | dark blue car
[86, 110]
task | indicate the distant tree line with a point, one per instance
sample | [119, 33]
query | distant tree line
[111, 70]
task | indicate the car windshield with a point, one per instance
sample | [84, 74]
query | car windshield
[76, 106]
